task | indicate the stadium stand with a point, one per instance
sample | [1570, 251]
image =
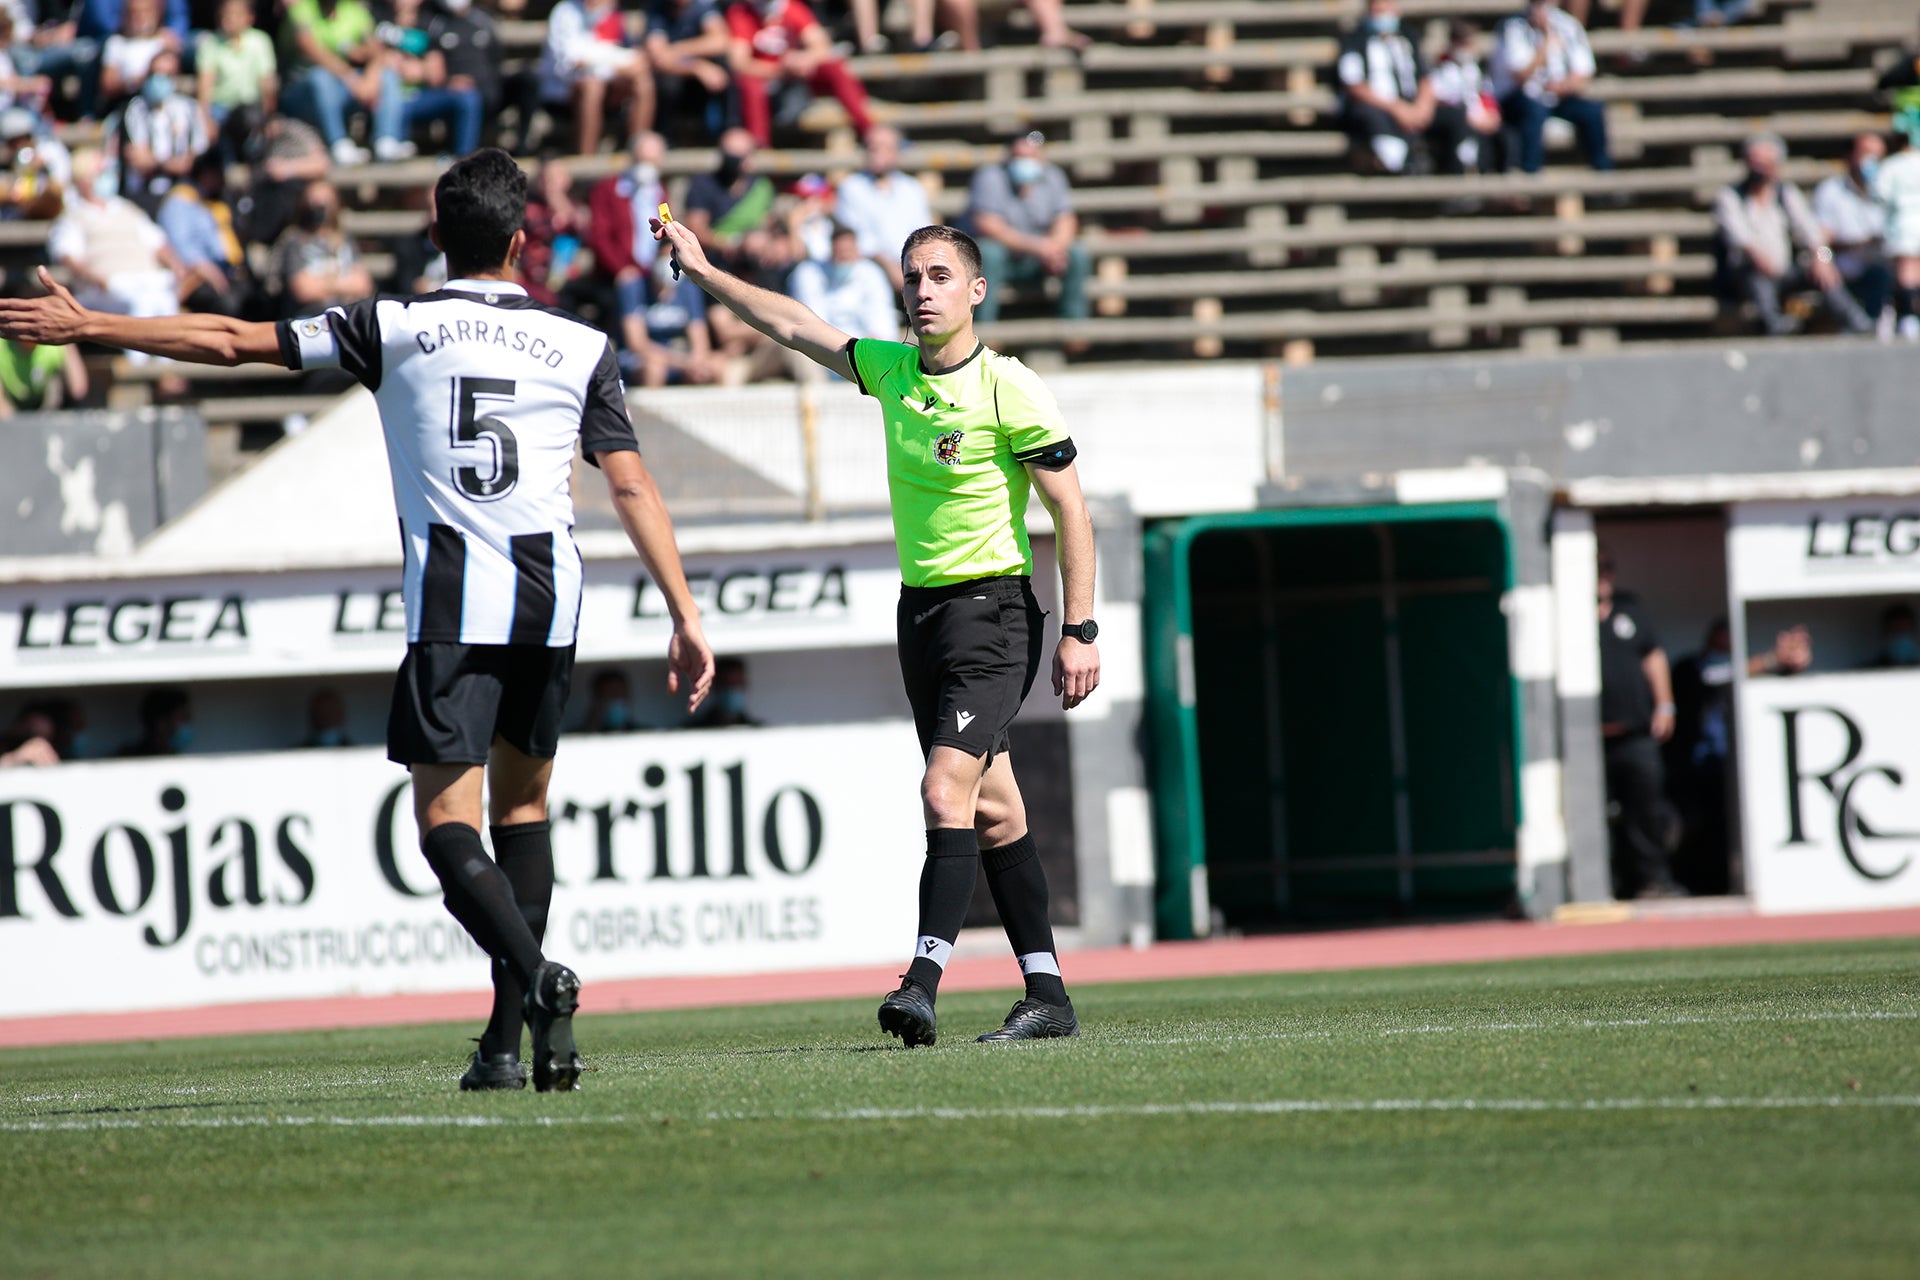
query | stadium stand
[1215, 191]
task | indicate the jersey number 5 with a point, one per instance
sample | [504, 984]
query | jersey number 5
[470, 430]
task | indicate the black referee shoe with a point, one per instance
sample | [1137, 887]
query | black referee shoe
[908, 1013]
[1036, 1020]
[552, 996]
[493, 1071]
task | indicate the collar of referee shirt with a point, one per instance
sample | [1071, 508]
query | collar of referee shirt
[485, 286]
[978, 347]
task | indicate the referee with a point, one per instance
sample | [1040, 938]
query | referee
[484, 396]
[969, 433]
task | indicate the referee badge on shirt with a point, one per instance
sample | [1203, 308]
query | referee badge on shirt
[1623, 627]
[946, 449]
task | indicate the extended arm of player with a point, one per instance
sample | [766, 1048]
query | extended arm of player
[643, 514]
[58, 320]
[1076, 665]
[781, 318]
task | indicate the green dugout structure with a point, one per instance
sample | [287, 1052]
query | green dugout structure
[1351, 709]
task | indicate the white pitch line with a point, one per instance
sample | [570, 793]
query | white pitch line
[1474, 1028]
[1275, 1106]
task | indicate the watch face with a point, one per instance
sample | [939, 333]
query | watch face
[1085, 631]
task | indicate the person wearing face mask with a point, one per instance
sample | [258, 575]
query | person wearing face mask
[849, 292]
[326, 720]
[1855, 224]
[611, 710]
[616, 225]
[733, 200]
[1764, 224]
[314, 265]
[777, 43]
[166, 725]
[1899, 638]
[161, 133]
[728, 706]
[118, 257]
[1464, 134]
[1386, 99]
[1022, 216]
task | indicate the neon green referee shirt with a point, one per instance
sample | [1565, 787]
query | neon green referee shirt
[957, 445]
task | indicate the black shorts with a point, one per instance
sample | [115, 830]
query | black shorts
[451, 700]
[968, 656]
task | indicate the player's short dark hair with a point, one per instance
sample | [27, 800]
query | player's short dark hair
[962, 243]
[478, 204]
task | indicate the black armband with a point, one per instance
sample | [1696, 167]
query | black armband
[853, 366]
[1050, 457]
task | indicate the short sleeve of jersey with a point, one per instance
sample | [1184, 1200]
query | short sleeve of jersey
[605, 424]
[343, 337]
[1029, 417]
[871, 358]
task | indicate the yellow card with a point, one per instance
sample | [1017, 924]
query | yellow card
[666, 214]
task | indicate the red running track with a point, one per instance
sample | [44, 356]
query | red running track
[1374, 948]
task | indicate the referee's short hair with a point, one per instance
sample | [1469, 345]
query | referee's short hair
[962, 243]
[478, 204]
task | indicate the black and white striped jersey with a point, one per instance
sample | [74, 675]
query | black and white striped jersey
[482, 394]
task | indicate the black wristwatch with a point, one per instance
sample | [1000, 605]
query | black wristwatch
[1084, 632]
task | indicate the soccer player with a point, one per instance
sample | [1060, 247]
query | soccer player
[969, 433]
[483, 394]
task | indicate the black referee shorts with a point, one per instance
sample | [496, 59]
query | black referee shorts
[968, 656]
[451, 700]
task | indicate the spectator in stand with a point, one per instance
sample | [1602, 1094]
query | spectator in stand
[723, 206]
[616, 231]
[35, 172]
[728, 705]
[28, 741]
[882, 203]
[291, 155]
[335, 66]
[55, 50]
[1633, 13]
[611, 710]
[1899, 638]
[587, 62]
[1022, 214]
[315, 265]
[687, 44]
[128, 53]
[238, 76]
[199, 226]
[1760, 221]
[326, 720]
[1465, 134]
[36, 378]
[17, 88]
[806, 215]
[161, 132]
[1542, 65]
[468, 41]
[778, 45]
[1386, 100]
[118, 257]
[553, 266]
[669, 342]
[166, 722]
[849, 292]
[1897, 185]
[426, 94]
[1855, 225]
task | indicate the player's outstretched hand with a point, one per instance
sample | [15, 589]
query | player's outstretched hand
[689, 664]
[53, 321]
[682, 243]
[1076, 672]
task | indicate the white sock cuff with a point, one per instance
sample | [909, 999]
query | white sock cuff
[1039, 962]
[934, 949]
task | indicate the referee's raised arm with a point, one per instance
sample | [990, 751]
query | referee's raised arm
[57, 320]
[785, 320]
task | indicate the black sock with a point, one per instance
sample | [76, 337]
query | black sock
[480, 897]
[525, 855]
[946, 890]
[1019, 886]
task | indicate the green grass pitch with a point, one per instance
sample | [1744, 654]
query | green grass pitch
[1741, 1113]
